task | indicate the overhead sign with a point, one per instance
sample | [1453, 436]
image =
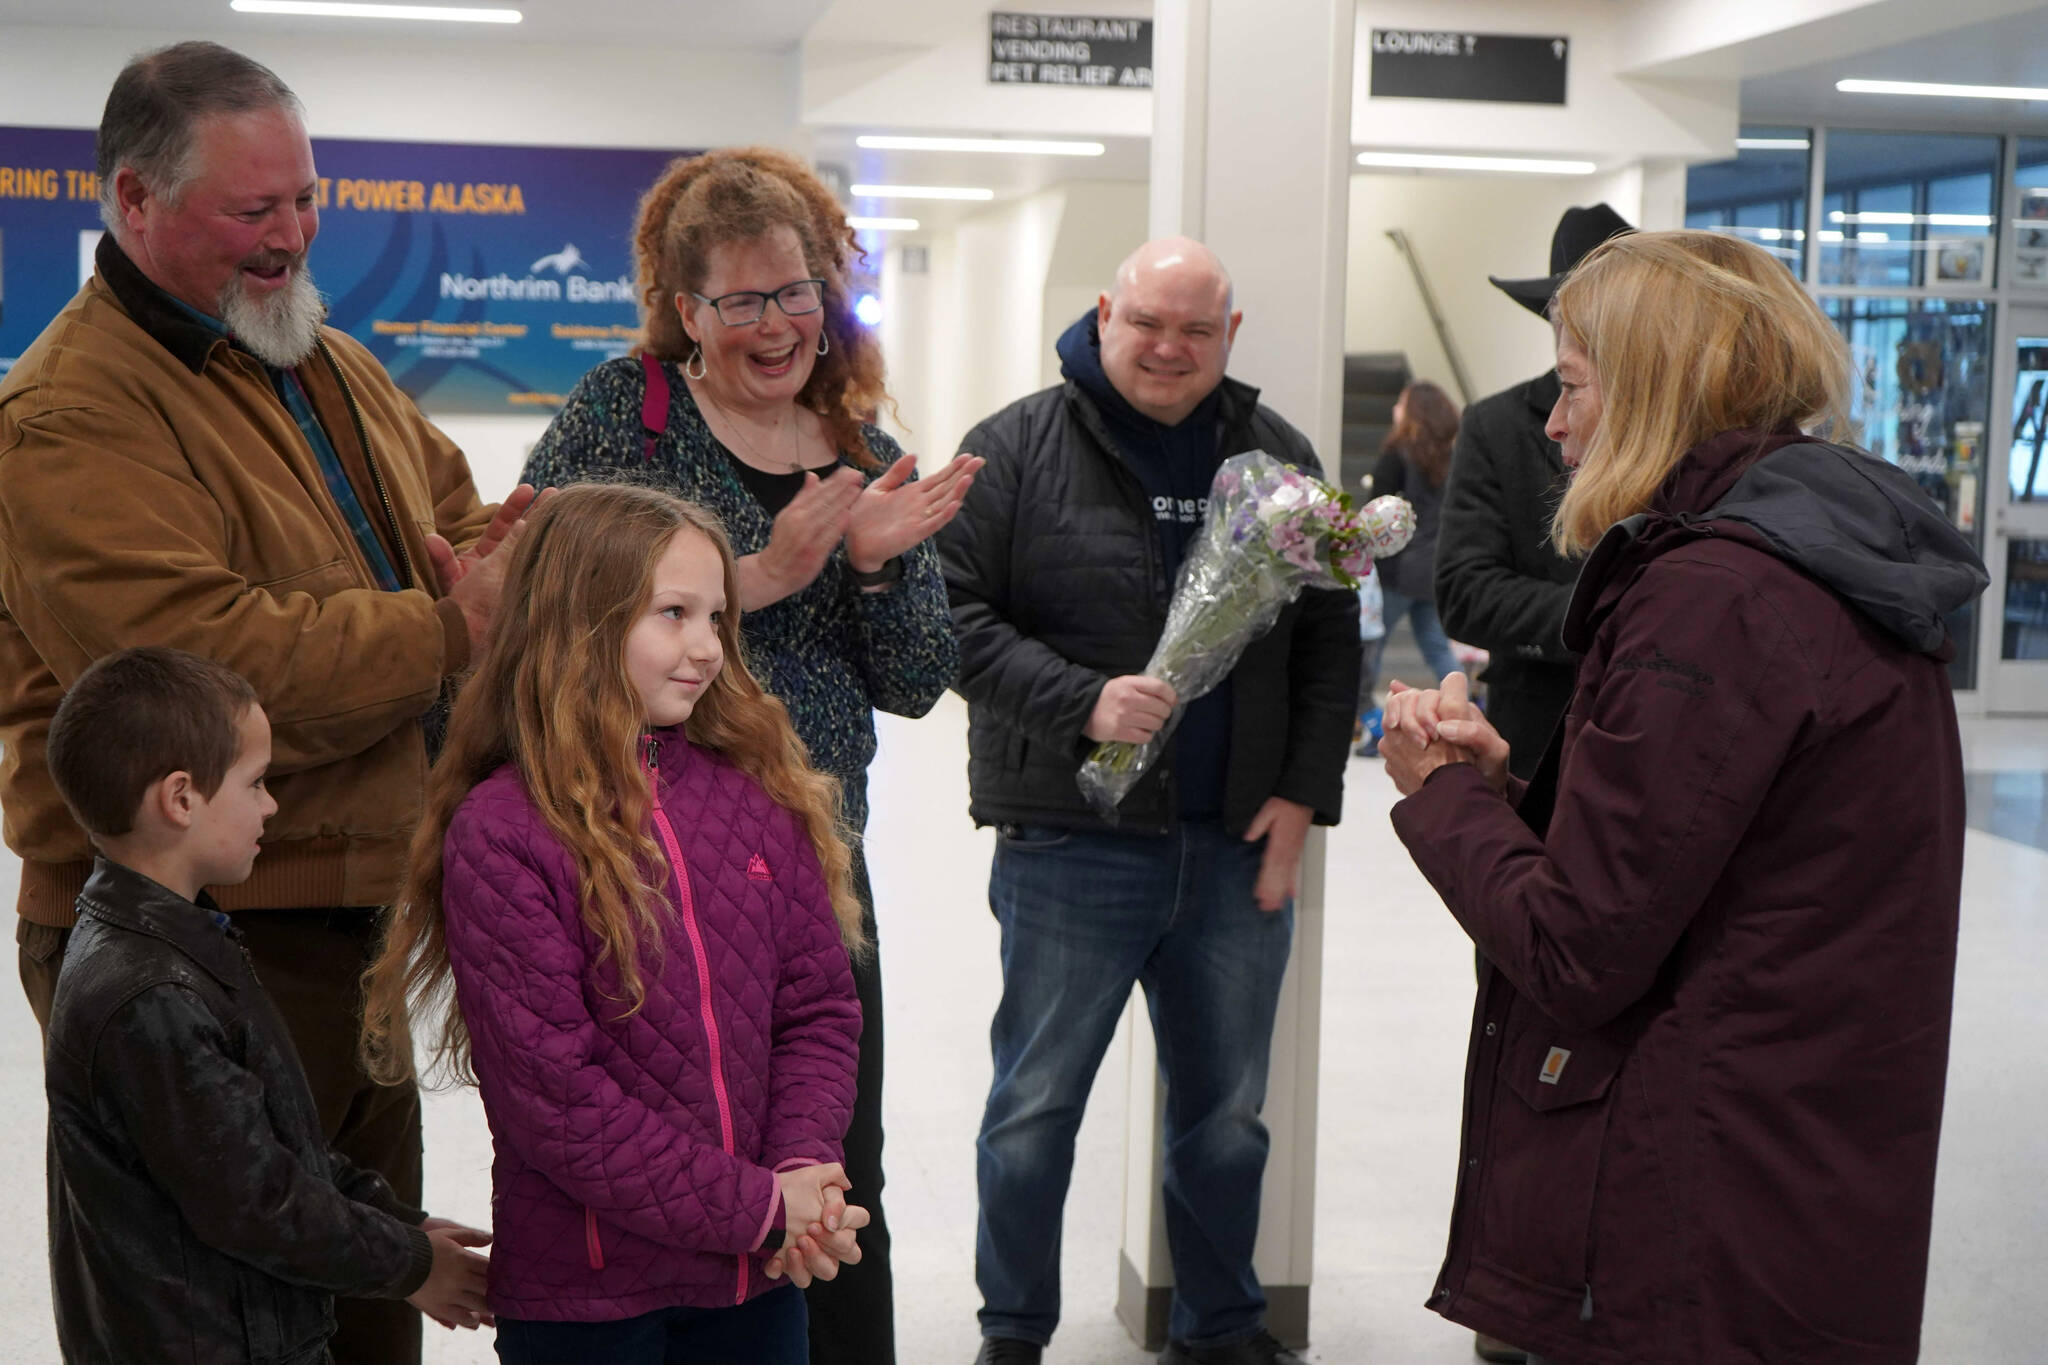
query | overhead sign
[1070, 49]
[485, 279]
[1435, 64]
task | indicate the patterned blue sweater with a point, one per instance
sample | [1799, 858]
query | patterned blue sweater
[831, 652]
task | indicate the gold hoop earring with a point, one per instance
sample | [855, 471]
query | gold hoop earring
[697, 359]
[824, 344]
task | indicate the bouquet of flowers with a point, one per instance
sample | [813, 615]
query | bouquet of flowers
[1271, 531]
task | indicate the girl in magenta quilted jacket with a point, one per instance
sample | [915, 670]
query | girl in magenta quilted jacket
[628, 922]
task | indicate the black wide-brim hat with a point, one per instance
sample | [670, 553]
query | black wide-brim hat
[1578, 232]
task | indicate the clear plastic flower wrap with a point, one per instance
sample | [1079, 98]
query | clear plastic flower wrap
[1270, 531]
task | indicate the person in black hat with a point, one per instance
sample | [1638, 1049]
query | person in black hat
[1499, 583]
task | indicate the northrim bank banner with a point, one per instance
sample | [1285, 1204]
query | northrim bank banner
[486, 279]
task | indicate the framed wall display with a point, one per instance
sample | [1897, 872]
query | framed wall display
[1961, 260]
[2030, 239]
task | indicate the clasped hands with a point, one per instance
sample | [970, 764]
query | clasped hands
[1424, 730]
[818, 1224]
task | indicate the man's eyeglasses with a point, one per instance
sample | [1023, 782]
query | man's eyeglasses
[744, 307]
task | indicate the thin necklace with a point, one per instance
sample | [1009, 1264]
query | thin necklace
[795, 462]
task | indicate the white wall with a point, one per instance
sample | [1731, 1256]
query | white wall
[1614, 119]
[931, 71]
[438, 90]
[434, 90]
[1104, 222]
[986, 319]
[977, 332]
[1464, 228]
[928, 69]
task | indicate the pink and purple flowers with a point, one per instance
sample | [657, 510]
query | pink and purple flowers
[1271, 531]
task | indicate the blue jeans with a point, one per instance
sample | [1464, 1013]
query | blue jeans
[769, 1329]
[1429, 636]
[1086, 914]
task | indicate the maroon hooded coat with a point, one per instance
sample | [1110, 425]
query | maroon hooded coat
[1705, 1078]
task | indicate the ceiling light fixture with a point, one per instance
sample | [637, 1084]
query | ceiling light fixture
[919, 192]
[335, 9]
[1014, 146]
[859, 224]
[1960, 92]
[1772, 144]
[1431, 161]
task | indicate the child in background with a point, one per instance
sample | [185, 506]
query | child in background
[636, 884]
[196, 1212]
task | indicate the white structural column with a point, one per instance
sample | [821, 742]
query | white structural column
[1251, 152]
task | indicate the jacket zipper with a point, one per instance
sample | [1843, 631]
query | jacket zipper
[590, 1241]
[355, 414]
[688, 905]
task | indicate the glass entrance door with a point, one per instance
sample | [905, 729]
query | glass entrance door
[2016, 551]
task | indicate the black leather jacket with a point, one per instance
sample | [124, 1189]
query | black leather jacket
[196, 1212]
[1055, 577]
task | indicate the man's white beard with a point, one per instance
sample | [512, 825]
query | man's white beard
[280, 328]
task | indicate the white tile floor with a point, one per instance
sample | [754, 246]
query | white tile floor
[1396, 968]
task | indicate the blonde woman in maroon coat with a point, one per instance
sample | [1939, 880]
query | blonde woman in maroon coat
[1706, 1068]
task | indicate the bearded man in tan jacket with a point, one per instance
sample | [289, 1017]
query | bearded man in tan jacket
[188, 457]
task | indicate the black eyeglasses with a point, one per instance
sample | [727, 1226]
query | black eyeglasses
[745, 307]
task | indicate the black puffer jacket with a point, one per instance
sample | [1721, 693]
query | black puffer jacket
[1499, 584]
[1054, 572]
[196, 1213]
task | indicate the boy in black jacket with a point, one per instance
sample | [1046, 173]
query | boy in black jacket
[196, 1213]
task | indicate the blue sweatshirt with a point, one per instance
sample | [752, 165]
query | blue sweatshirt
[1175, 465]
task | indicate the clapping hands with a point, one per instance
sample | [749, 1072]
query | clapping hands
[893, 514]
[1424, 730]
[819, 1225]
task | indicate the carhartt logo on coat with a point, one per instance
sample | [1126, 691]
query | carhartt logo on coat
[1677, 675]
[1553, 1066]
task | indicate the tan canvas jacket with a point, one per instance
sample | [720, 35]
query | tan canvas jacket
[154, 489]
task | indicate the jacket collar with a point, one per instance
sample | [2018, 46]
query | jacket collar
[1706, 473]
[157, 313]
[1701, 479]
[125, 899]
[1236, 402]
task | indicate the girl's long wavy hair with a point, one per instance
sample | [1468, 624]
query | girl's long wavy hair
[1690, 334]
[1426, 432]
[740, 194]
[552, 695]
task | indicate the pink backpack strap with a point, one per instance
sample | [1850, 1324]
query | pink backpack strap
[654, 405]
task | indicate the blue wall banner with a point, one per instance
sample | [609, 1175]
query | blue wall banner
[486, 279]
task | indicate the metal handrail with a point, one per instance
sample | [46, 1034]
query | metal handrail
[1436, 315]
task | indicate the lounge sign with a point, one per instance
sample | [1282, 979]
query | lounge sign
[1435, 64]
[1070, 49]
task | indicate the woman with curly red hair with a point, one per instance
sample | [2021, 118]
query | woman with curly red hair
[753, 393]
